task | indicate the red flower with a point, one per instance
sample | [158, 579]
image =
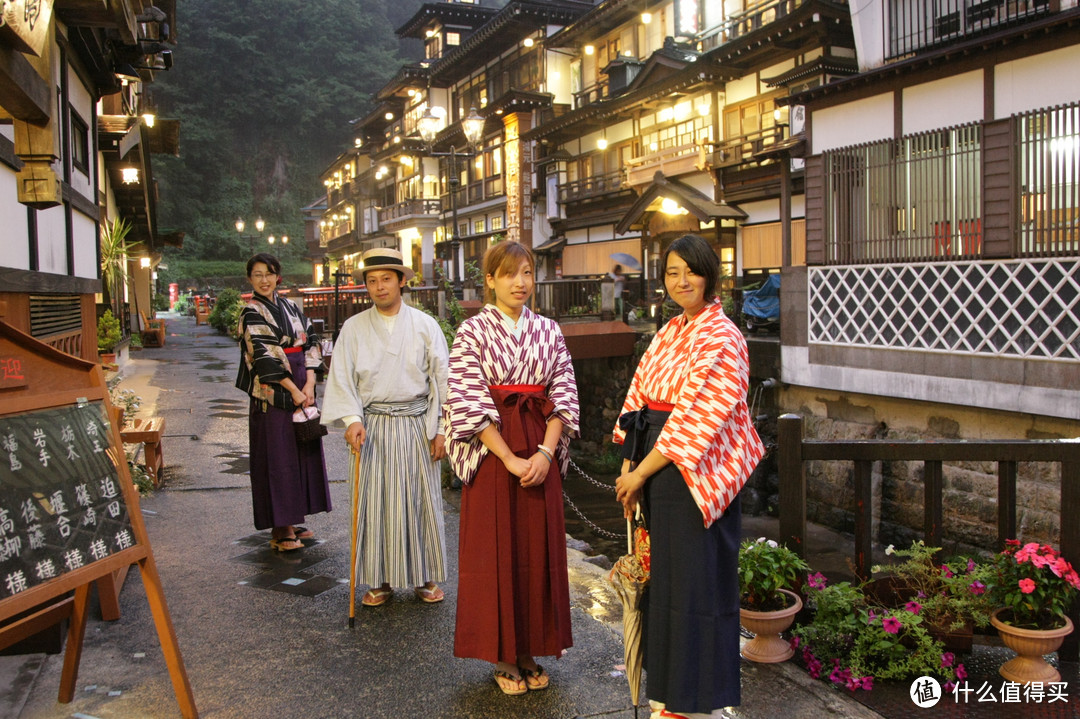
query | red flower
[891, 625]
[1027, 586]
[913, 607]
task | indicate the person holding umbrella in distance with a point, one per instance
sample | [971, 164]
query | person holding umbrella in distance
[689, 447]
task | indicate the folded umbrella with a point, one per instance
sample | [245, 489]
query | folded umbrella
[630, 576]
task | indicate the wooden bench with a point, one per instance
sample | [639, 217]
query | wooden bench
[202, 310]
[147, 431]
[152, 332]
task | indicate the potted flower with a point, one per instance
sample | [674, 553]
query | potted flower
[767, 573]
[1035, 587]
[852, 641]
[950, 596]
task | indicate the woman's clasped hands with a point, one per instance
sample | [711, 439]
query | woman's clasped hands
[532, 471]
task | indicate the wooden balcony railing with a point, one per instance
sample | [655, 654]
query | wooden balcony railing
[562, 299]
[752, 18]
[738, 150]
[591, 186]
[591, 94]
[419, 206]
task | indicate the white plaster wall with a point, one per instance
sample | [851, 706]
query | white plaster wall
[854, 123]
[14, 243]
[83, 104]
[951, 101]
[769, 210]
[702, 182]
[742, 89]
[85, 233]
[52, 241]
[866, 23]
[1025, 84]
[796, 369]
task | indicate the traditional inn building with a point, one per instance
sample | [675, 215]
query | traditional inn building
[76, 138]
[941, 294]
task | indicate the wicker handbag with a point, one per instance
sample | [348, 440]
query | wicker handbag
[306, 425]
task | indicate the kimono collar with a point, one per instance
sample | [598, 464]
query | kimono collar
[708, 310]
[273, 306]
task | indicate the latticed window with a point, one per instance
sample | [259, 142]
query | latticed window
[916, 198]
[1049, 177]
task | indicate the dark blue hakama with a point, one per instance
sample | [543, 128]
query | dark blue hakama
[691, 608]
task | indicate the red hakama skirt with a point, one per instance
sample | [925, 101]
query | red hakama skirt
[513, 591]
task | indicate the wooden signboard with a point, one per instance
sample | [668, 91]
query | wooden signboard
[69, 514]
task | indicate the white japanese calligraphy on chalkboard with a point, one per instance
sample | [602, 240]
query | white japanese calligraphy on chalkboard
[61, 504]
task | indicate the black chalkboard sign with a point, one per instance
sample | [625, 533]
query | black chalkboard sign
[61, 503]
[69, 515]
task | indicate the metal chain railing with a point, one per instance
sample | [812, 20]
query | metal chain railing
[592, 525]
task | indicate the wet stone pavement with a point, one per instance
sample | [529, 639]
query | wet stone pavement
[265, 634]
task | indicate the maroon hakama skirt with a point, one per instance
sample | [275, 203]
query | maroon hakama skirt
[513, 591]
[288, 478]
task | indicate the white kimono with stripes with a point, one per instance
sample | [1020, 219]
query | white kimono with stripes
[395, 382]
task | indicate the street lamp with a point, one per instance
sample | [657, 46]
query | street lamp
[259, 225]
[284, 239]
[473, 127]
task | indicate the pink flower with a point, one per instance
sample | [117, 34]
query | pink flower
[913, 607]
[1060, 567]
[891, 625]
[947, 659]
[961, 673]
[1039, 561]
[971, 565]
[816, 580]
[794, 642]
[946, 571]
[853, 683]
[949, 686]
[867, 683]
[1027, 586]
[1026, 551]
[870, 616]
[977, 587]
[1072, 578]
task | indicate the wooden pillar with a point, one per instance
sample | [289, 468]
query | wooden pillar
[517, 173]
[792, 483]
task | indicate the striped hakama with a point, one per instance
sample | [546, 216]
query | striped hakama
[397, 500]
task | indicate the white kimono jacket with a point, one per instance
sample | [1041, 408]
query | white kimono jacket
[369, 365]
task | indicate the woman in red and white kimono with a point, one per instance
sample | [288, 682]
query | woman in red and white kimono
[511, 410]
[688, 448]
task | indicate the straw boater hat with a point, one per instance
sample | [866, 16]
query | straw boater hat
[383, 258]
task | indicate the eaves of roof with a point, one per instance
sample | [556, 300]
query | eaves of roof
[449, 13]
[1063, 22]
[517, 19]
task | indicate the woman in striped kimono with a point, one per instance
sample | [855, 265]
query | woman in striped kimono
[689, 447]
[280, 353]
[511, 411]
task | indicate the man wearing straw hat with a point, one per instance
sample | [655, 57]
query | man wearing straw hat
[386, 385]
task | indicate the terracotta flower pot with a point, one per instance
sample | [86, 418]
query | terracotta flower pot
[1030, 645]
[767, 647]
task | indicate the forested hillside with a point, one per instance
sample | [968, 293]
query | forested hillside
[264, 91]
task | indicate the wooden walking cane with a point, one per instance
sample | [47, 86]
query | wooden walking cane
[355, 521]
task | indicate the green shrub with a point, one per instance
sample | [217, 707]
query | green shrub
[226, 313]
[160, 303]
[108, 332]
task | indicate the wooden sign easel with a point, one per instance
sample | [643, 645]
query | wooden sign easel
[69, 514]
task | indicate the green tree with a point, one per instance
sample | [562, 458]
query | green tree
[264, 91]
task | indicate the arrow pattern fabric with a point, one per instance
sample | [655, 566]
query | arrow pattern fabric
[486, 353]
[702, 367]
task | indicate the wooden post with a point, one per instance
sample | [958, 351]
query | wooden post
[864, 546]
[1070, 544]
[1006, 502]
[792, 483]
[932, 502]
